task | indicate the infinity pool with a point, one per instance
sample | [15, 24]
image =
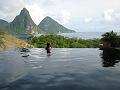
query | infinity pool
[64, 69]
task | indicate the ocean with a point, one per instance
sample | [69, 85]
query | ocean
[84, 35]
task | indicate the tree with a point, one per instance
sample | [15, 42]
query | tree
[58, 41]
[112, 38]
[2, 45]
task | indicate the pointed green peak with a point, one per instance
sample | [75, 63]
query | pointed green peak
[24, 11]
[48, 17]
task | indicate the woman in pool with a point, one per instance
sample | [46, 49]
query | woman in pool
[48, 48]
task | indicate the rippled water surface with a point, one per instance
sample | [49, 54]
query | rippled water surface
[65, 69]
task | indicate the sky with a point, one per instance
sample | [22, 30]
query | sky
[78, 15]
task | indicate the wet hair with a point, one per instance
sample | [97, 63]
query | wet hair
[48, 44]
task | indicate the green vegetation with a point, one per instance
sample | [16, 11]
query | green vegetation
[58, 41]
[112, 38]
[8, 41]
[48, 25]
[2, 44]
[22, 24]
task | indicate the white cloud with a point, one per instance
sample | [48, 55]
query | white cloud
[36, 13]
[109, 15]
[88, 20]
[65, 17]
[9, 9]
[67, 12]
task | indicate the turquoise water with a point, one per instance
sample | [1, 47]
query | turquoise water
[65, 69]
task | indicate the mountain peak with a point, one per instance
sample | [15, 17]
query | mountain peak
[1, 20]
[48, 18]
[24, 11]
[23, 23]
[3, 23]
[49, 25]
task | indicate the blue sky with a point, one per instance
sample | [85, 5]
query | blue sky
[79, 15]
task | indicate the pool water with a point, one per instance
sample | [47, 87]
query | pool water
[64, 69]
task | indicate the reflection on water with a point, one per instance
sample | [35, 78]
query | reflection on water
[12, 67]
[65, 69]
[110, 57]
